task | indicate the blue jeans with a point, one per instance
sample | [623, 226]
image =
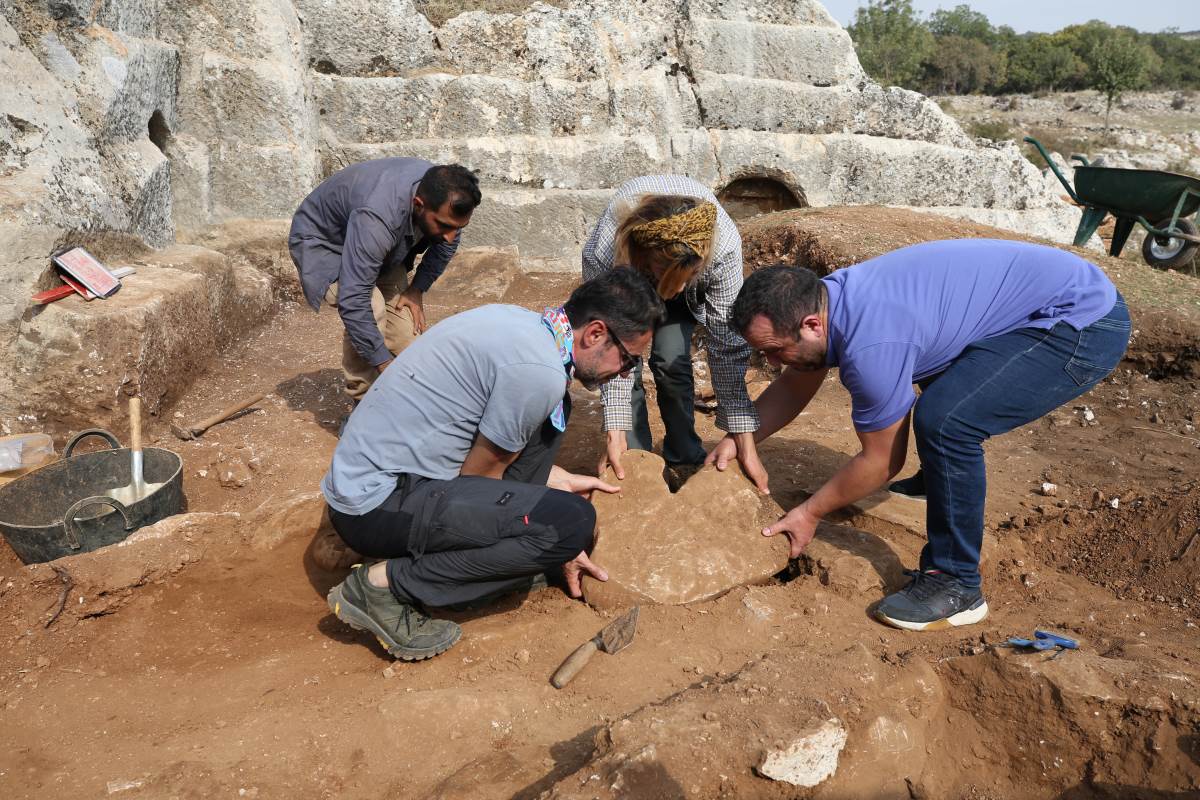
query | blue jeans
[671, 363]
[994, 386]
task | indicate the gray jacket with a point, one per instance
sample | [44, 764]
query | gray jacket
[361, 219]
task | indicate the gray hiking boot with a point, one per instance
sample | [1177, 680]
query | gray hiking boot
[403, 630]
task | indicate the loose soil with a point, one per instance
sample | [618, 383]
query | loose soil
[200, 660]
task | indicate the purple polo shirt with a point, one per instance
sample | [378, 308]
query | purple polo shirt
[906, 315]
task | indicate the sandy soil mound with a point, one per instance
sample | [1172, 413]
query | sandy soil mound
[1147, 548]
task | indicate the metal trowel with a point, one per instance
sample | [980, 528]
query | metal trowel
[137, 489]
[612, 639]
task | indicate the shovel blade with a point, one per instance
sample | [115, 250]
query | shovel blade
[618, 634]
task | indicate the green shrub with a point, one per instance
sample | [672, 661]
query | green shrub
[996, 130]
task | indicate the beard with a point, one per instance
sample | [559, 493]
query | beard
[810, 359]
[590, 378]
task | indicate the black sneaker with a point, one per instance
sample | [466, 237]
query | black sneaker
[405, 632]
[932, 600]
[913, 487]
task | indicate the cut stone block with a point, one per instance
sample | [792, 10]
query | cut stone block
[680, 548]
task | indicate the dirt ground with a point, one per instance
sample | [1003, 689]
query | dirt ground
[200, 660]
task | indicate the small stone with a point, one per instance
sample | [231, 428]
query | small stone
[710, 715]
[1049, 489]
[234, 475]
[809, 759]
[1156, 418]
[389, 672]
[1030, 579]
[123, 786]
[1114, 503]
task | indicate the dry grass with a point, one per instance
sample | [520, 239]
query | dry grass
[439, 12]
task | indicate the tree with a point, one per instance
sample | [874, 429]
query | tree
[962, 66]
[891, 41]
[962, 21]
[1038, 61]
[1180, 60]
[1117, 63]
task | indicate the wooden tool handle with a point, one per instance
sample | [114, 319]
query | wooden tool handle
[575, 662]
[135, 424]
[200, 427]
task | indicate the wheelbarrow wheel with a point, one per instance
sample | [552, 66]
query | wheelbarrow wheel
[1168, 252]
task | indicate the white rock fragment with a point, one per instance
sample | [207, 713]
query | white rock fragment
[809, 759]
[124, 786]
[1115, 502]
[1049, 489]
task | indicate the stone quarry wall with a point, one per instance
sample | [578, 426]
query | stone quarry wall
[154, 118]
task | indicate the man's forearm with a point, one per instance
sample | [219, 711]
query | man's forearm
[857, 478]
[784, 399]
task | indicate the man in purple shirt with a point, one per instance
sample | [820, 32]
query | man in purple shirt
[996, 333]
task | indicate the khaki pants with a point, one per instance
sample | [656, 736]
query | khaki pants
[396, 326]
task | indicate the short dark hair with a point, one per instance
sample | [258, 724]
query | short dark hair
[622, 298]
[452, 182]
[784, 295]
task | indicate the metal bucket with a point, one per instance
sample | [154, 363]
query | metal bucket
[41, 513]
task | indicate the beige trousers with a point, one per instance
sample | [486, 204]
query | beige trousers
[396, 325]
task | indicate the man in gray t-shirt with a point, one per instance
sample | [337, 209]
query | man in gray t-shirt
[446, 469]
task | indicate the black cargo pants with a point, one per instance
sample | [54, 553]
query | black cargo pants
[456, 541]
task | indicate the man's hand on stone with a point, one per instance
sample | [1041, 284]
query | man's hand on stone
[740, 446]
[614, 445]
[799, 525]
[412, 298]
[573, 570]
[582, 485]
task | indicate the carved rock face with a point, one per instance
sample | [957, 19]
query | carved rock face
[679, 548]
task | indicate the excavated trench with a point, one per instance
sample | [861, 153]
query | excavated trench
[707, 690]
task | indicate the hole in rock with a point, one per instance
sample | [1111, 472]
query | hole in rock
[158, 131]
[756, 194]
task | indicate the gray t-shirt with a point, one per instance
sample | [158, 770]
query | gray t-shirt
[494, 369]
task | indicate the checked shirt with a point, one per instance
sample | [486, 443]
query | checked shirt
[709, 299]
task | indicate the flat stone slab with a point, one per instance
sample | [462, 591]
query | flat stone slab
[693, 545]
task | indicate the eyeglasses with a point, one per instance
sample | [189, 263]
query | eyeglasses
[629, 361]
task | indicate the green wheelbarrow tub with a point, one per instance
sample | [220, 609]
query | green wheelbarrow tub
[1150, 194]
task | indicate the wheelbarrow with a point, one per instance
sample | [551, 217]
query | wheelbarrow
[58, 510]
[1136, 196]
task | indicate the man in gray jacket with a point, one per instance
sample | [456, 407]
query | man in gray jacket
[355, 239]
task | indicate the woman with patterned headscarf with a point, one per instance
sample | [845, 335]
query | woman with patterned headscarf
[672, 229]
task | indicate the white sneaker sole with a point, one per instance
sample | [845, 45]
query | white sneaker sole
[968, 617]
[919, 498]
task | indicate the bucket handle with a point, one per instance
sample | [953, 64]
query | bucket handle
[69, 518]
[103, 434]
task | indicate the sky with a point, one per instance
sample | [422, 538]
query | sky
[1051, 15]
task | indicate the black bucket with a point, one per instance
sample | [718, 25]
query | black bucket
[42, 514]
